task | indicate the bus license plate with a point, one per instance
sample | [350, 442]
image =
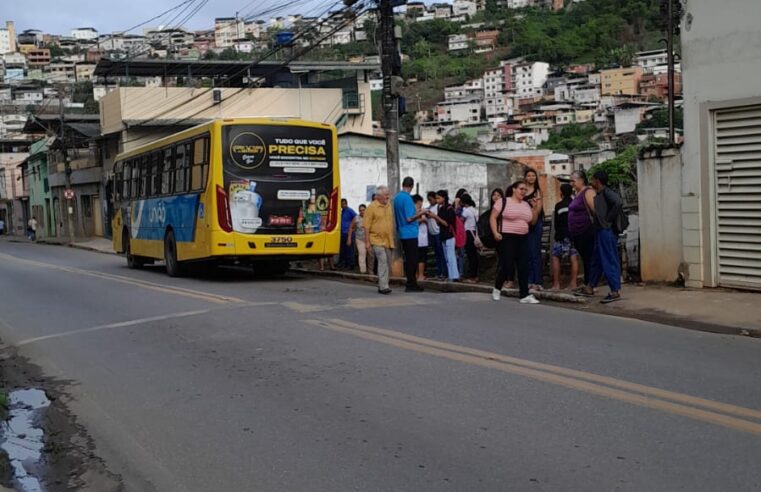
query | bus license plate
[281, 242]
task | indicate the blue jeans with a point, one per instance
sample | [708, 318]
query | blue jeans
[441, 259]
[605, 260]
[346, 255]
[535, 253]
[453, 273]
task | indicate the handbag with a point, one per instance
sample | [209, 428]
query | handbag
[484, 226]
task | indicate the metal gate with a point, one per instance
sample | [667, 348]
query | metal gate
[737, 147]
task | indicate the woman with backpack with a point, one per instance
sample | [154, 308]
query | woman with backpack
[446, 217]
[470, 222]
[510, 222]
[533, 195]
[581, 223]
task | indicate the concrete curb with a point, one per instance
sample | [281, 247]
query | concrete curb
[655, 316]
[74, 245]
[445, 286]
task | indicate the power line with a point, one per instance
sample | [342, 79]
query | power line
[272, 51]
[285, 63]
[169, 30]
[149, 20]
[357, 9]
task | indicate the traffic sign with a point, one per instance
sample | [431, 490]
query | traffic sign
[68, 193]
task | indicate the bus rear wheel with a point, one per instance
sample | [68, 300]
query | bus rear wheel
[133, 262]
[174, 268]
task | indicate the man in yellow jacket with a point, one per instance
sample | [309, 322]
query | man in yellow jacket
[379, 235]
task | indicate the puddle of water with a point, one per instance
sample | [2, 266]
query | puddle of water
[23, 438]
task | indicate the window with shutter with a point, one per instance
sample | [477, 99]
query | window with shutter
[737, 148]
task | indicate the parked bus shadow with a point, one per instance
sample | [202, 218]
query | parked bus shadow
[227, 274]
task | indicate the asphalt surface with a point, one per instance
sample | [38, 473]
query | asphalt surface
[232, 383]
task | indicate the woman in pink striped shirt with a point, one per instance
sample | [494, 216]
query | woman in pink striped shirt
[510, 220]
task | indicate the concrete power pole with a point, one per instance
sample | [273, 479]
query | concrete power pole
[391, 68]
[670, 48]
[67, 166]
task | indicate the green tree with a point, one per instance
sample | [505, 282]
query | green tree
[458, 141]
[659, 118]
[55, 51]
[621, 169]
[572, 138]
[229, 54]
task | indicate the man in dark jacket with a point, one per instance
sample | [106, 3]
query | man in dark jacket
[607, 205]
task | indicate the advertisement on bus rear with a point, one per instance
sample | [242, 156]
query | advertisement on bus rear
[278, 178]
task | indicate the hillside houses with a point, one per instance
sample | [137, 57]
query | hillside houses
[522, 101]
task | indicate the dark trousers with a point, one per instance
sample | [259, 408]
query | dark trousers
[585, 245]
[409, 246]
[513, 250]
[346, 253]
[438, 250]
[535, 252]
[605, 260]
[472, 252]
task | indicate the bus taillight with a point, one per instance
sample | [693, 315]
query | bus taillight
[223, 210]
[332, 211]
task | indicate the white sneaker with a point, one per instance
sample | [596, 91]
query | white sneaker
[530, 299]
[496, 294]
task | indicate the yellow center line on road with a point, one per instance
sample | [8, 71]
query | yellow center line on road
[632, 393]
[180, 291]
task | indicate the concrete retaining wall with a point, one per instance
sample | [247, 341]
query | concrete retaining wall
[659, 178]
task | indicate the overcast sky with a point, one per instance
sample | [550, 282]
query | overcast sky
[61, 16]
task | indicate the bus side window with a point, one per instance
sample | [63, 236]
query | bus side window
[117, 195]
[143, 166]
[181, 168]
[200, 163]
[167, 170]
[154, 159]
[132, 179]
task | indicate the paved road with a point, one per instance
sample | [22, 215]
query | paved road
[232, 383]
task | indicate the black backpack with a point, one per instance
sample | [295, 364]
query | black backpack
[484, 227]
[621, 222]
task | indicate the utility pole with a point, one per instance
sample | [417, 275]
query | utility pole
[670, 48]
[391, 68]
[66, 164]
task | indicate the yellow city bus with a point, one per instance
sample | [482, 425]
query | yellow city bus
[244, 191]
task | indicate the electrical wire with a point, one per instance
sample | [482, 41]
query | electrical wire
[284, 64]
[273, 51]
[162, 14]
[357, 10]
[170, 30]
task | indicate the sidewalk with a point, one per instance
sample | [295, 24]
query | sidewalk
[711, 310]
[98, 244]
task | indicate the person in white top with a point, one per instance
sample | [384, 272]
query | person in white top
[471, 231]
[31, 228]
[422, 238]
[434, 237]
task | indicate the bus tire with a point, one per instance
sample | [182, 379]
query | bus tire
[174, 267]
[133, 262]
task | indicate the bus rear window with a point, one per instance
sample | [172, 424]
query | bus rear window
[277, 175]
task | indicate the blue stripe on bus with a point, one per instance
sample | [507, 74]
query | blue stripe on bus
[151, 217]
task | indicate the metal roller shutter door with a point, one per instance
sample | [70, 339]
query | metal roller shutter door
[738, 196]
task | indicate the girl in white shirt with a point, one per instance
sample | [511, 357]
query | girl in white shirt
[422, 238]
[470, 217]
